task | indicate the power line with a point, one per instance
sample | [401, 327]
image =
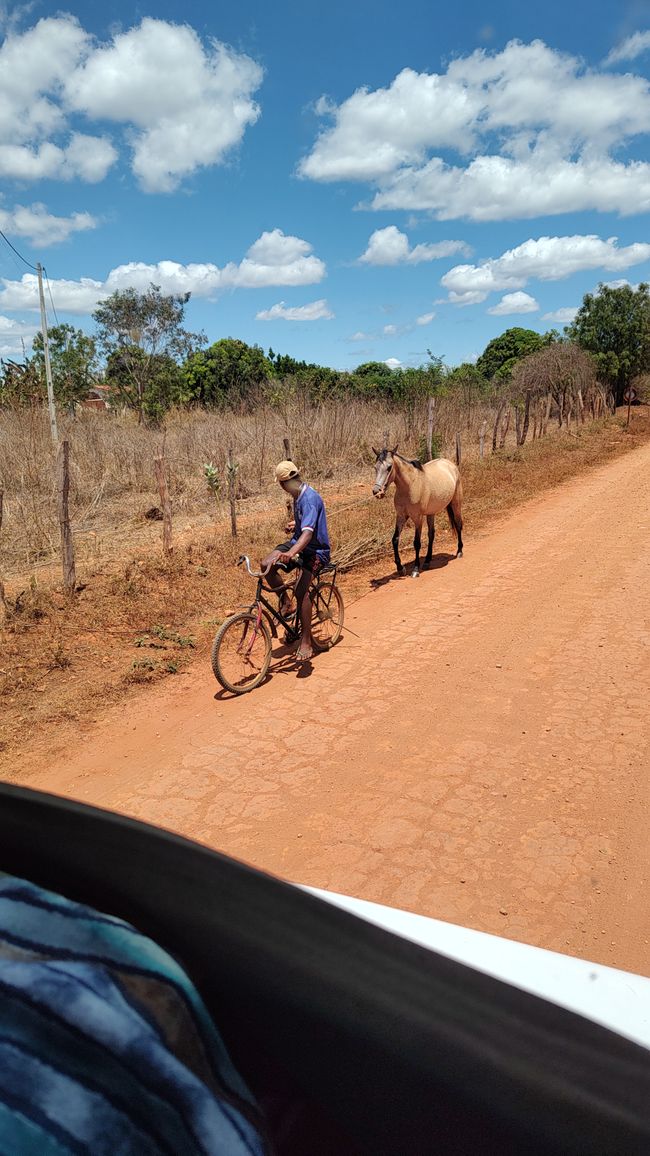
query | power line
[51, 297]
[14, 249]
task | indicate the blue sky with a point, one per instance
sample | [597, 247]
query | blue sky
[342, 182]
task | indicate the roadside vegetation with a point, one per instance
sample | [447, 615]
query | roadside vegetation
[534, 410]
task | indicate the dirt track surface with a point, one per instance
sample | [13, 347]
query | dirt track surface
[476, 749]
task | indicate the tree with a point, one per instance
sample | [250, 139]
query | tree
[614, 325]
[141, 328]
[562, 369]
[374, 369]
[502, 353]
[20, 383]
[469, 384]
[74, 361]
[165, 387]
[226, 371]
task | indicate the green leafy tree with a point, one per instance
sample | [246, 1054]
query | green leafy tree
[374, 370]
[74, 362]
[468, 383]
[227, 371]
[20, 383]
[614, 325]
[502, 353]
[163, 381]
[136, 330]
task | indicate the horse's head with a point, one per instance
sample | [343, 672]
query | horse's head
[384, 470]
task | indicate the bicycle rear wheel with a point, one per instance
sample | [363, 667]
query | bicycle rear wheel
[241, 653]
[327, 615]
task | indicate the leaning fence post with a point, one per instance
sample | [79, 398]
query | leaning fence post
[63, 502]
[459, 450]
[232, 475]
[165, 503]
[481, 439]
[432, 406]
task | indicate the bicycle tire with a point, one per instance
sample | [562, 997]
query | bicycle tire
[244, 621]
[328, 614]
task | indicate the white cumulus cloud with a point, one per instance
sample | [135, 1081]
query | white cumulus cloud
[15, 336]
[275, 259]
[315, 311]
[518, 302]
[389, 246]
[393, 363]
[630, 48]
[41, 228]
[563, 316]
[523, 132]
[425, 319]
[545, 259]
[179, 103]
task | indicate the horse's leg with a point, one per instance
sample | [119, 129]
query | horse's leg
[456, 518]
[432, 534]
[416, 542]
[399, 526]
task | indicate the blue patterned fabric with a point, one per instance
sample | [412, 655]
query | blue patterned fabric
[105, 1045]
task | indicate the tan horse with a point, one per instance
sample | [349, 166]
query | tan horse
[421, 491]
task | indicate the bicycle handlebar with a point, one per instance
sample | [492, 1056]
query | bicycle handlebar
[259, 573]
[253, 573]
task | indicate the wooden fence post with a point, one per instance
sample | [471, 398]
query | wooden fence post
[432, 406]
[386, 432]
[63, 502]
[288, 501]
[495, 431]
[547, 412]
[481, 439]
[166, 506]
[459, 450]
[232, 474]
[505, 426]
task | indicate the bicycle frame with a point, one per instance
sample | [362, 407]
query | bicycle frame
[272, 614]
[262, 608]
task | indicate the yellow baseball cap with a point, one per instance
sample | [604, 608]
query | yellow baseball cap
[286, 470]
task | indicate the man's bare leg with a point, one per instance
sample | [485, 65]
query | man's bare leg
[275, 581]
[305, 649]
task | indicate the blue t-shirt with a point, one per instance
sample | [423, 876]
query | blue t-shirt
[309, 514]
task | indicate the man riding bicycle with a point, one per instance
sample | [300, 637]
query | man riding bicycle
[309, 546]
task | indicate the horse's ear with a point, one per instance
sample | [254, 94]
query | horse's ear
[375, 452]
[395, 450]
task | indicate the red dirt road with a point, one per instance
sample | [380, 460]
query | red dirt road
[477, 749]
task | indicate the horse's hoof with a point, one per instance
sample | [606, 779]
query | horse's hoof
[415, 574]
[400, 572]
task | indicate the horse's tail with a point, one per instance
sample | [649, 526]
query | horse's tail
[455, 514]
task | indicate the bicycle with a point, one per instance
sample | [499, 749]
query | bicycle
[241, 651]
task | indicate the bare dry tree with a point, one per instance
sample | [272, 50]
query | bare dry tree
[561, 375]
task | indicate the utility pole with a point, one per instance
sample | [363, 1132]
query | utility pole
[48, 368]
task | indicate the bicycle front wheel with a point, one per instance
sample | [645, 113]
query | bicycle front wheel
[327, 615]
[241, 653]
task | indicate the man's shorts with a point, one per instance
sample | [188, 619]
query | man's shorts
[308, 559]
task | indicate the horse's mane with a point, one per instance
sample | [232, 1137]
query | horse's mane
[411, 461]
